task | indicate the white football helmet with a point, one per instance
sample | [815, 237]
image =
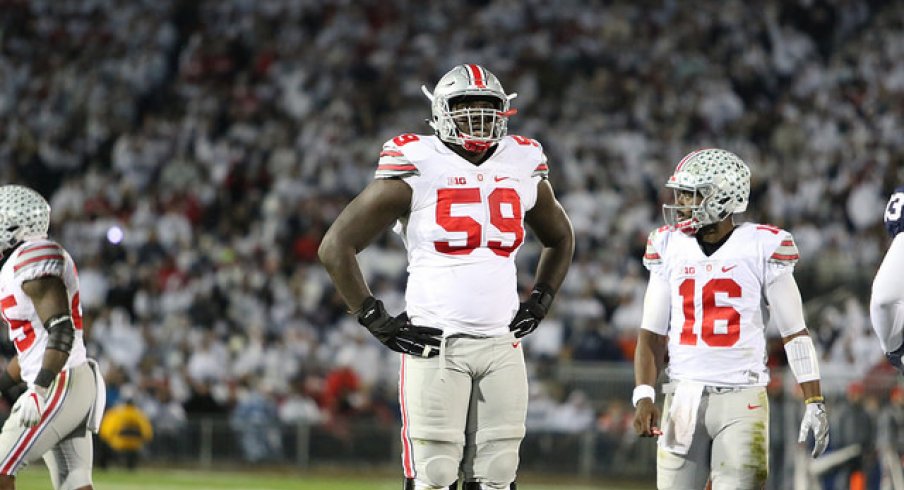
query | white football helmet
[475, 129]
[719, 177]
[24, 214]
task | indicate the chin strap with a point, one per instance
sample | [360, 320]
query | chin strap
[687, 227]
[476, 146]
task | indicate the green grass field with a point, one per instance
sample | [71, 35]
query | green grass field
[36, 478]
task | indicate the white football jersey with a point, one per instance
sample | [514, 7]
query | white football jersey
[718, 307]
[465, 227]
[31, 260]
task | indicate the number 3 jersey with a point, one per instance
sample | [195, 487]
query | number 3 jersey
[464, 229]
[31, 260]
[894, 213]
[718, 316]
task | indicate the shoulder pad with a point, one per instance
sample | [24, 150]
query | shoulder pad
[655, 242]
[38, 258]
[786, 253]
[393, 163]
[542, 167]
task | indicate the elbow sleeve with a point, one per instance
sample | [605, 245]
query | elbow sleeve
[61, 333]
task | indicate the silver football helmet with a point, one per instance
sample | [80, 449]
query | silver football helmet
[24, 214]
[475, 129]
[720, 183]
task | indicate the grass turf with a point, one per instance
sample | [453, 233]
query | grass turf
[36, 478]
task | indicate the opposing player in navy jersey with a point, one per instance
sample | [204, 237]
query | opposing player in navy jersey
[887, 301]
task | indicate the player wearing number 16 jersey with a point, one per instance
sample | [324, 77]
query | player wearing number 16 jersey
[39, 304]
[460, 199]
[714, 286]
[887, 300]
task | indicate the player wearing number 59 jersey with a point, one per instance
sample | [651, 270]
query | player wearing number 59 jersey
[460, 199]
[714, 286]
[887, 300]
[465, 226]
[39, 304]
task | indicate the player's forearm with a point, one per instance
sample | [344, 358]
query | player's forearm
[554, 262]
[342, 266]
[14, 370]
[811, 390]
[649, 357]
[10, 378]
[54, 361]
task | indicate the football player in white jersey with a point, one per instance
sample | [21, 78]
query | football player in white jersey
[887, 301]
[714, 286]
[459, 199]
[39, 302]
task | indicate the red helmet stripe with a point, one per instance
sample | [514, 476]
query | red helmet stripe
[686, 158]
[477, 75]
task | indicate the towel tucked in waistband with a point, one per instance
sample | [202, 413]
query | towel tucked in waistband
[681, 420]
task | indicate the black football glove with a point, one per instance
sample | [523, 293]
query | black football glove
[397, 332]
[532, 311]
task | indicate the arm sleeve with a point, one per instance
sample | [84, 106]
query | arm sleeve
[886, 307]
[785, 305]
[656, 306]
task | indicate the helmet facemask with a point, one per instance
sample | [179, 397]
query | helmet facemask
[476, 123]
[470, 108]
[690, 210]
[709, 186]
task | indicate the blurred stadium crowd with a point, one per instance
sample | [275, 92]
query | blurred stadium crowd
[194, 153]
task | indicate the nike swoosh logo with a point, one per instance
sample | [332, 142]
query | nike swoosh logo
[753, 407]
[516, 344]
[726, 269]
[500, 179]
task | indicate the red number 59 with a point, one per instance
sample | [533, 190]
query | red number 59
[466, 224]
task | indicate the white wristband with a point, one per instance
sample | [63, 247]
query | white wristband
[641, 392]
[802, 359]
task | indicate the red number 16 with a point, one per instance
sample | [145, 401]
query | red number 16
[711, 313]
